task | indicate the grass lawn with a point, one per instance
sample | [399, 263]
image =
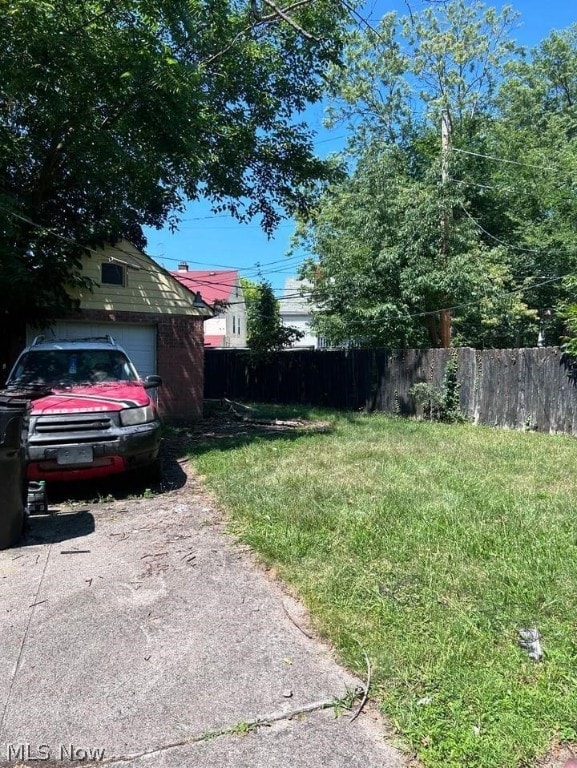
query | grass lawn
[427, 546]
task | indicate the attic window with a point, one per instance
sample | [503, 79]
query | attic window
[113, 274]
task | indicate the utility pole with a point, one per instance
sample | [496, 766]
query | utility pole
[445, 320]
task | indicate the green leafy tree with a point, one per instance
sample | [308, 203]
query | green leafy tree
[378, 278]
[250, 291]
[442, 63]
[536, 139]
[114, 114]
[399, 256]
[265, 330]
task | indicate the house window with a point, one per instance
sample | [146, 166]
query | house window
[238, 326]
[112, 274]
[233, 324]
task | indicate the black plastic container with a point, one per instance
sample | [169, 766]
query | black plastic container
[37, 503]
[13, 421]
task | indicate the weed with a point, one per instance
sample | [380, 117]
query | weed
[100, 499]
[345, 703]
[242, 728]
[209, 735]
[441, 404]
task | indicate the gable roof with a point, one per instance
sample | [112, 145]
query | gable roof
[292, 302]
[147, 286]
[213, 340]
[213, 285]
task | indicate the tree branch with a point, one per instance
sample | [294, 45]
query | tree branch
[278, 13]
[284, 15]
[48, 166]
[288, 9]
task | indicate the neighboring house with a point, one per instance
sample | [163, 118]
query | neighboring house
[296, 311]
[220, 289]
[150, 314]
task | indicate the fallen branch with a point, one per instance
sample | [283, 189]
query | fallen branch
[366, 693]
[298, 626]
[74, 551]
[261, 722]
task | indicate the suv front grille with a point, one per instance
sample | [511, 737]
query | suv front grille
[81, 427]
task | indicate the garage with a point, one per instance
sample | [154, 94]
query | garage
[139, 341]
[158, 321]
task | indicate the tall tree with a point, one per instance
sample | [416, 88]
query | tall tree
[378, 277]
[114, 114]
[414, 91]
[535, 140]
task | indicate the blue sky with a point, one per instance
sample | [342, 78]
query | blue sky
[209, 241]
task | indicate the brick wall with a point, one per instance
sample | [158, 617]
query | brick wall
[179, 355]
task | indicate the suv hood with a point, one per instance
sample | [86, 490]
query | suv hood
[108, 396]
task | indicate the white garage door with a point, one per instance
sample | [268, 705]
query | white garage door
[138, 340]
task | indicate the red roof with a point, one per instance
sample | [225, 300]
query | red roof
[214, 341]
[213, 285]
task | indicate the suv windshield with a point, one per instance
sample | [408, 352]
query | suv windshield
[67, 367]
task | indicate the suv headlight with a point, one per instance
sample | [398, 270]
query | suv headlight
[132, 416]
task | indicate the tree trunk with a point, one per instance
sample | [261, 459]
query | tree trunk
[432, 331]
[445, 327]
[445, 319]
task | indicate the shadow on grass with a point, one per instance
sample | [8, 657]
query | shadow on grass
[229, 425]
[241, 435]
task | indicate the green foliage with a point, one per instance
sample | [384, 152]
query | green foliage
[250, 291]
[265, 331]
[430, 399]
[441, 404]
[537, 126]
[379, 273]
[483, 223]
[117, 113]
[568, 316]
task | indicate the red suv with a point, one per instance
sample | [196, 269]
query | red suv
[91, 415]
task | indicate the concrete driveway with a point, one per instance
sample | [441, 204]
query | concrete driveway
[137, 632]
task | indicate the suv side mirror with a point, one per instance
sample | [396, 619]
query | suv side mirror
[151, 382]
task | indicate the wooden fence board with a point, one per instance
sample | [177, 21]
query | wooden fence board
[514, 388]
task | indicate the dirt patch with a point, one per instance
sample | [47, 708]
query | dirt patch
[225, 418]
[560, 756]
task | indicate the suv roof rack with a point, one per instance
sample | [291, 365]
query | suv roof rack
[42, 339]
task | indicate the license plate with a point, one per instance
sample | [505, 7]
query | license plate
[79, 454]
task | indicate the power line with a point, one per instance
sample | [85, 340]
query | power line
[478, 301]
[506, 160]
[70, 240]
[256, 267]
[301, 294]
[136, 256]
[506, 244]
[232, 226]
[481, 186]
[375, 321]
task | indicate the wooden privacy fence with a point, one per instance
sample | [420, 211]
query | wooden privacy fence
[517, 388]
